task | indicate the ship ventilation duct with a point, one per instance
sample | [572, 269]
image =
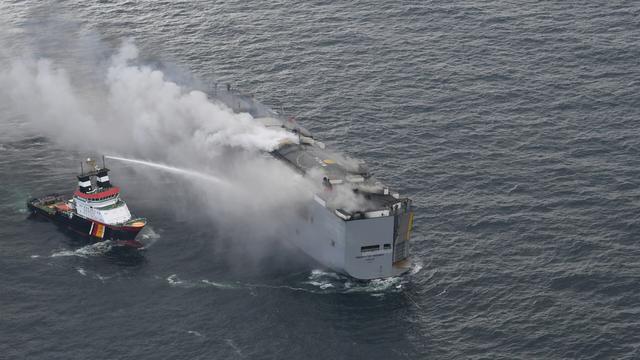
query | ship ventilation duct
[84, 183]
[102, 178]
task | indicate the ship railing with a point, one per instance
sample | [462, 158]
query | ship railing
[112, 206]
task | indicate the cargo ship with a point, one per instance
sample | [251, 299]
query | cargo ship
[367, 238]
[95, 210]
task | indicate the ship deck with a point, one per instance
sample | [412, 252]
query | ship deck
[310, 154]
[49, 203]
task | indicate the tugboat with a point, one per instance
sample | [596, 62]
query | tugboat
[95, 210]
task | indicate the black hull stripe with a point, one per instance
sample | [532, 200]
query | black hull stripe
[82, 226]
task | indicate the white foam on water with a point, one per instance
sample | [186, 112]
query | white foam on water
[196, 333]
[219, 285]
[338, 283]
[251, 287]
[148, 237]
[96, 249]
[321, 285]
[35, 256]
[92, 274]
[319, 282]
[174, 280]
[327, 280]
[317, 273]
[102, 278]
[377, 285]
[415, 268]
[330, 282]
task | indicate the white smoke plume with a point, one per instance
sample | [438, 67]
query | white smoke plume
[133, 110]
[138, 108]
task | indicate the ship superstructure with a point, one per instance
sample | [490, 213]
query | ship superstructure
[95, 210]
[355, 224]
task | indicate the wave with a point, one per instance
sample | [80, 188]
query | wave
[331, 282]
[318, 282]
[148, 237]
[96, 249]
[173, 280]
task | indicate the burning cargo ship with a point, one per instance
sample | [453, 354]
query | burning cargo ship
[368, 241]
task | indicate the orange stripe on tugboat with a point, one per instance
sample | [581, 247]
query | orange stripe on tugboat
[100, 231]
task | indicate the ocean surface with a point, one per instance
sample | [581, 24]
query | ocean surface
[513, 125]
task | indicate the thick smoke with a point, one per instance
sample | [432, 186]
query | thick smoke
[138, 110]
[133, 110]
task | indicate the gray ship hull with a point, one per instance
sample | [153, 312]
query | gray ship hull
[366, 248]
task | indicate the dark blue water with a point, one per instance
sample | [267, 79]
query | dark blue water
[512, 125]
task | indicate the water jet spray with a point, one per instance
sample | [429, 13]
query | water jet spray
[171, 169]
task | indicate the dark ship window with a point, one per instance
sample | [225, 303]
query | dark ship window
[387, 246]
[370, 248]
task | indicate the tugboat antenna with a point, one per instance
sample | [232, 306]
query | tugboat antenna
[103, 165]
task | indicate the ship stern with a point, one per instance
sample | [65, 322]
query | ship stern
[378, 247]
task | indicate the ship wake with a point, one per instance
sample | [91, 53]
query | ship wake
[97, 249]
[331, 282]
[318, 282]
